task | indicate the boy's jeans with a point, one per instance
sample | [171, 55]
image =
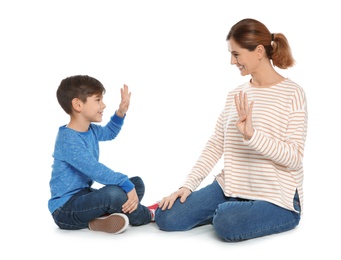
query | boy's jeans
[89, 204]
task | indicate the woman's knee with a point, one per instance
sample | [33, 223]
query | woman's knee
[164, 219]
[238, 221]
[227, 226]
[169, 220]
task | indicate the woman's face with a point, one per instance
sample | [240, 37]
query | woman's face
[246, 61]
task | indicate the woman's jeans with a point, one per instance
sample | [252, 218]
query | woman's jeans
[233, 219]
[90, 203]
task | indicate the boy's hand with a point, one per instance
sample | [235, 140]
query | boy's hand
[131, 204]
[125, 101]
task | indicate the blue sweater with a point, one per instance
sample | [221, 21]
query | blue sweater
[75, 162]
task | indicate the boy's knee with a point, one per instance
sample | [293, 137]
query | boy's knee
[136, 180]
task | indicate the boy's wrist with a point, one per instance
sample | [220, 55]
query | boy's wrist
[120, 113]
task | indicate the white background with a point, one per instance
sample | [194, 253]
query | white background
[173, 56]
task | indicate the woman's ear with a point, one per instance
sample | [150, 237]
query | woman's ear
[77, 104]
[260, 51]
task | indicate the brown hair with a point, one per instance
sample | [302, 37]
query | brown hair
[249, 33]
[79, 86]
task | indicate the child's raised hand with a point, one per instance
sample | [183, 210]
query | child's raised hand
[125, 101]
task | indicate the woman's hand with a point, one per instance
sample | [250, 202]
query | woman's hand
[244, 122]
[167, 202]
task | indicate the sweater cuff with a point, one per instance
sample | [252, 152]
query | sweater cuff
[253, 139]
[127, 186]
[118, 120]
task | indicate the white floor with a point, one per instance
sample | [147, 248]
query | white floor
[174, 57]
[32, 234]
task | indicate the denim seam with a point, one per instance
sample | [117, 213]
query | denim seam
[262, 230]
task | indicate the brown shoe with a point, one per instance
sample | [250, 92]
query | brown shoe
[115, 223]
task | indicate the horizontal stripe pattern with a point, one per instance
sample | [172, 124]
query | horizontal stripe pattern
[269, 166]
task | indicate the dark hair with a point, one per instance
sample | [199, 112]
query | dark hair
[79, 86]
[249, 33]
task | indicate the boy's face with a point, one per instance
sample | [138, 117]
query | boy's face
[92, 109]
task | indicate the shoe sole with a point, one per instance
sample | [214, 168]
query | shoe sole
[114, 224]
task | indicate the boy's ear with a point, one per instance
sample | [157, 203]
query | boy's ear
[77, 104]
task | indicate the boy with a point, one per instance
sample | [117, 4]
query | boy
[74, 203]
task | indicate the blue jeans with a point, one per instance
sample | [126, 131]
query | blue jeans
[233, 219]
[91, 203]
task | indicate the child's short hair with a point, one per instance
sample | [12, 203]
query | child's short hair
[78, 86]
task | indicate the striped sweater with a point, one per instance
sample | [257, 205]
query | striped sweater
[269, 166]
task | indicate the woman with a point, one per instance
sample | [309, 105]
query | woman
[260, 134]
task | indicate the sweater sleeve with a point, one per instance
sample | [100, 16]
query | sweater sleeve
[209, 157]
[74, 154]
[288, 152]
[110, 130]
